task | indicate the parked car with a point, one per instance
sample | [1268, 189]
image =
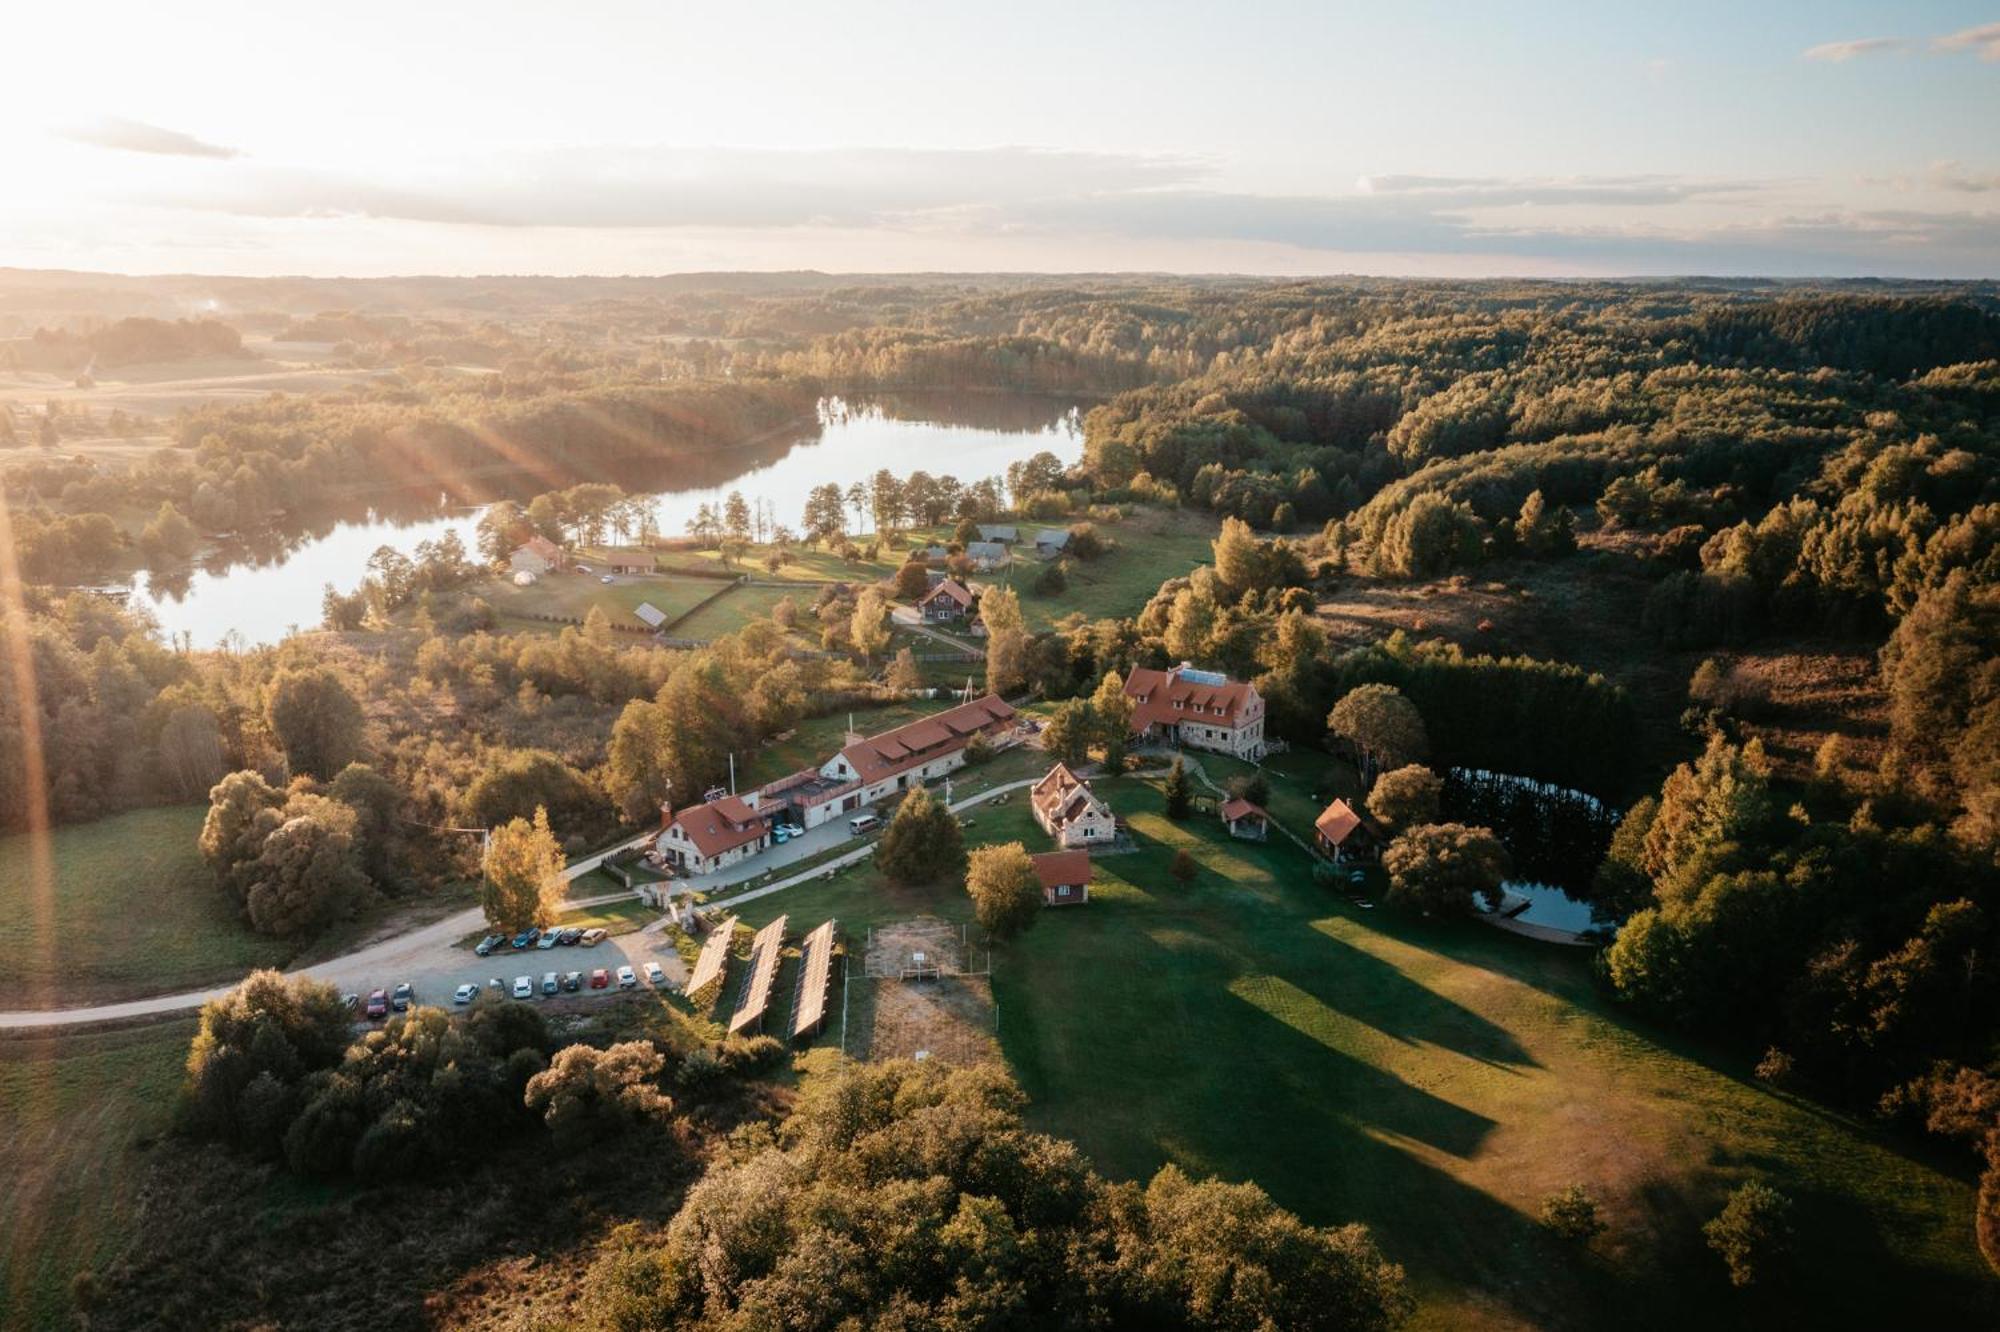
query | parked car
[403, 997]
[495, 983]
[593, 937]
[605, 579]
[572, 981]
[524, 987]
[489, 943]
[378, 1004]
[599, 979]
[550, 939]
[571, 935]
[866, 823]
[655, 975]
[583, 568]
[526, 937]
[465, 993]
[550, 985]
[350, 1002]
[626, 980]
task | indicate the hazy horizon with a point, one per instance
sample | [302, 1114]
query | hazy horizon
[1788, 140]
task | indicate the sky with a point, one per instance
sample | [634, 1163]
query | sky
[599, 136]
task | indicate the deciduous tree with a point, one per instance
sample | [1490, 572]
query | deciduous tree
[1006, 893]
[523, 867]
[1437, 868]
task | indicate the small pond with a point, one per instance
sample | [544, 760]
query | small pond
[1546, 906]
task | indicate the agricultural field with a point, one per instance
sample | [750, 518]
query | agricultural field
[133, 910]
[1432, 1080]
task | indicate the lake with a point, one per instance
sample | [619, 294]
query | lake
[251, 596]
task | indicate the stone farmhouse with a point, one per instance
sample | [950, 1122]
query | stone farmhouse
[1198, 709]
[1070, 812]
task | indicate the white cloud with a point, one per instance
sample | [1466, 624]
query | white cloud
[1983, 40]
[1839, 52]
[134, 136]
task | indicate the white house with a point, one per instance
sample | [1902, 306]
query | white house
[704, 838]
[1070, 811]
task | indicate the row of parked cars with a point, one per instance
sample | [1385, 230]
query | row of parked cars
[568, 982]
[380, 1003]
[534, 937]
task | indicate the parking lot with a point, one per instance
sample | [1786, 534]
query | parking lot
[439, 975]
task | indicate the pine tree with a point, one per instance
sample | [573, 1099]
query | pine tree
[1180, 797]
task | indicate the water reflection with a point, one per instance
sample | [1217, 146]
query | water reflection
[259, 589]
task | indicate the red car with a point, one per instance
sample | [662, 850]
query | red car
[599, 979]
[378, 1005]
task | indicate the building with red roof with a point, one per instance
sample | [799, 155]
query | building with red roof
[1198, 709]
[949, 600]
[870, 769]
[702, 839]
[1245, 819]
[1065, 877]
[1070, 811]
[1345, 834]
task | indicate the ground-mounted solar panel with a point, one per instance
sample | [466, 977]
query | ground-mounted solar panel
[815, 982]
[714, 959]
[765, 952]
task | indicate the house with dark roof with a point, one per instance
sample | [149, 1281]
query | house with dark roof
[702, 839]
[1065, 877]
[1345, 834]
[1051, 542]
[1006, 533]
[1198, 709]
[1070, 811]
[921, 751]
[1245, 819]
[987, 556]
[949, 600]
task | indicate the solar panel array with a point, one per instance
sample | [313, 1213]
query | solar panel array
[714, 958]
[765, 951]
[815, 980]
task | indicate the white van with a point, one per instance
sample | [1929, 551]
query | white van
[867, 823]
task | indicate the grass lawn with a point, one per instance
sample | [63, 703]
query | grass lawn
[1151, 546]
[132, 911]
[736, 608]
[573, 595]
[79, 1110]
[1434, 1081]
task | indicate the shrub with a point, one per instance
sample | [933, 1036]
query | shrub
[1752, 1233]
[1571, 1214]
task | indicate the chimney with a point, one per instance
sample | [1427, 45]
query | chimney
[666, 814]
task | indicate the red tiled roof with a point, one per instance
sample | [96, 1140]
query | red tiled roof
[722, 825]
[1239, 808]
[1056, 868]
[1162, 689]
[950, 588]
[542, 546]
[1336, 821]
[927, 738]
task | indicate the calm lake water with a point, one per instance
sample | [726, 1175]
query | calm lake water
[1550, 906]
[260, 596]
